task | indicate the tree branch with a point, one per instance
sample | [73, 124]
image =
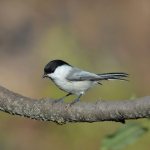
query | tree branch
[61, 113]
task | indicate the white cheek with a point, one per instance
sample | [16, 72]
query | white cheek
[61, 72]
[51, 75]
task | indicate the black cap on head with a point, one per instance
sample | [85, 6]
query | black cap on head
[52, 65]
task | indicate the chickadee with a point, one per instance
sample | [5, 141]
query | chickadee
[74, 80]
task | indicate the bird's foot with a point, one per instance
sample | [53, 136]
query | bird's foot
[58, 101]
[72, 103]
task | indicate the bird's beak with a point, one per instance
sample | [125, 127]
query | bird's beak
[44, 76]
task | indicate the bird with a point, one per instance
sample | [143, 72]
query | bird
[76, 81]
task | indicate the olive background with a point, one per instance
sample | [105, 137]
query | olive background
[96, 35]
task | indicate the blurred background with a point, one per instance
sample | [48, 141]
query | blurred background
[97, 35]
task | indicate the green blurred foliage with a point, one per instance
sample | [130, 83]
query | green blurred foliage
[99, 36]
[123, 137]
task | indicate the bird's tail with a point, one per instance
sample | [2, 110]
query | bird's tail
[114, 76]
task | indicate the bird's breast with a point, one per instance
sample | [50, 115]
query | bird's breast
[74, 87]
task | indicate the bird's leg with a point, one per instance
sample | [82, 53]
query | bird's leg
[76, 100]
[61, 99]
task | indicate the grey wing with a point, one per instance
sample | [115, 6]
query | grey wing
[80, 75]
